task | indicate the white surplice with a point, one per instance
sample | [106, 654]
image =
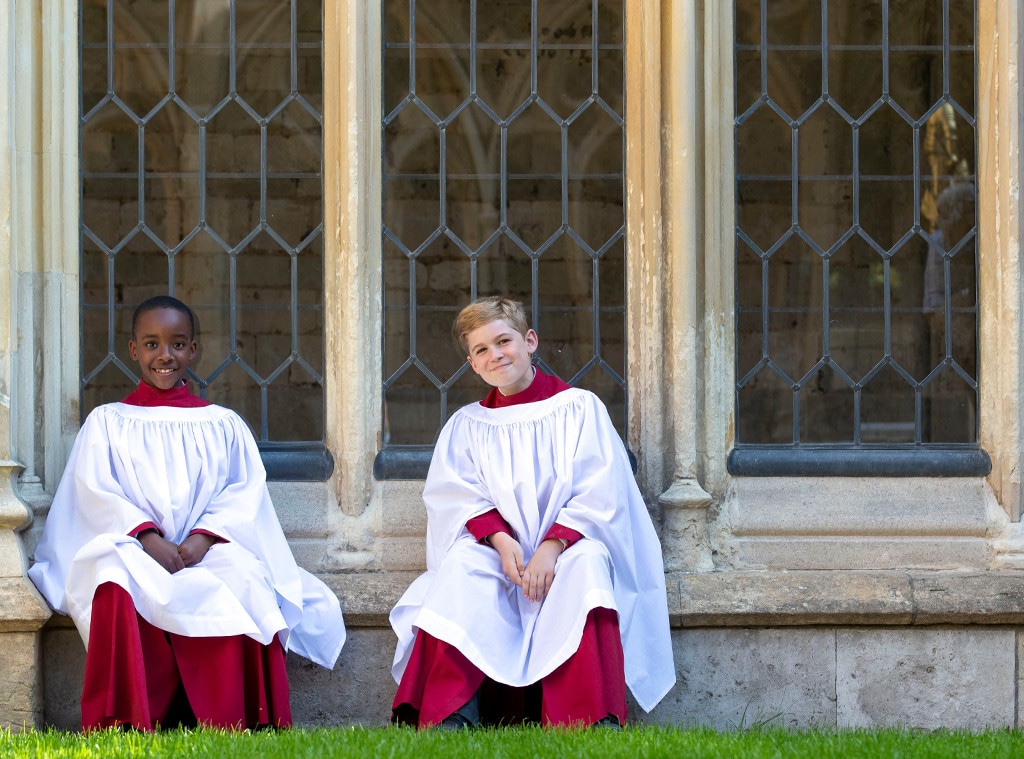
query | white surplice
[556, 459]
[182, 469]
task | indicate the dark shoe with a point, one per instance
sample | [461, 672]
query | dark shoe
[454, 721]
[611, 722]
[468, 715]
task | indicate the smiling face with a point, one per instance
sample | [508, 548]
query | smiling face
[163, 345]
[501, 356]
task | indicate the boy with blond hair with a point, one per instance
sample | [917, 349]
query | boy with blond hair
[543, 566]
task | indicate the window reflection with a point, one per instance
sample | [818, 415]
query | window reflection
[856, 239]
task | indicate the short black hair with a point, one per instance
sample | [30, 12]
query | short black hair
[163, 301]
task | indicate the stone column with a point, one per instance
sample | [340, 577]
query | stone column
[22, 609]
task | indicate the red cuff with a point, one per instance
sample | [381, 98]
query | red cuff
[199, 531]
[143, 527]
[487, 523]
[561, 532]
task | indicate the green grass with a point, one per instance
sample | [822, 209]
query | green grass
[515, 743]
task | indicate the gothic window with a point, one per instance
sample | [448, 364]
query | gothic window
[856, 233]
[201, 152]
[502, 172]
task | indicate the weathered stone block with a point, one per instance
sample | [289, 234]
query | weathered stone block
[301, 507]
[402, 510]
[968, 598]
[906, 506]
[367, 599]
[925, 678]
[359, 690]
[890, 523]
[20, 706]
[729, 679]
[403, 554]
[1019, 715]
[793, 598]
[63, 671]
[855, 552]
[22, 608]
[684, 536]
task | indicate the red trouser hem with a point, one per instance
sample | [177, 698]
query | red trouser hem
[587, 687]
[135, 672]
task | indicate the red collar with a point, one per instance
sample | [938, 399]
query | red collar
[178, 397]
[542, 388]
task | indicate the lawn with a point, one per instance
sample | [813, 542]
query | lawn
[517, 743]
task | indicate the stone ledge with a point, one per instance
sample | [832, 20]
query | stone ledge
[886, 508]
[367, 598]
[889, 598]
[22, 608]
[771, 599]
[969, 598]
[766, 599]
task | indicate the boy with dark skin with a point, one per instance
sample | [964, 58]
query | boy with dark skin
[163, 545]
[163, 344]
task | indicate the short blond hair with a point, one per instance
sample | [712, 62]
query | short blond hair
[484, 311]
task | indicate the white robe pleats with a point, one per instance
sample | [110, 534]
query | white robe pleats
[182, 469]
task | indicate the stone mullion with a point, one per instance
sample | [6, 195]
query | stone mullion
[1001, 300]
[352, 245]
[650, 336]
[696, 349]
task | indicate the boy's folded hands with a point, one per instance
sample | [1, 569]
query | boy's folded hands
[163, 551]
[534, 578]
[511, 554]
[175, 557]
[539, 573]
[194, 548]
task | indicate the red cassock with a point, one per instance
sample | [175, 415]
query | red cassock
[139, 675]
[585, 688]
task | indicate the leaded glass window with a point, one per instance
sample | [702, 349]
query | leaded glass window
[201, 152]
[502, 173]
[856, 233]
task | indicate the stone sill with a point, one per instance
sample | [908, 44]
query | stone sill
[883, 597]
[769, 598]
[22, 608]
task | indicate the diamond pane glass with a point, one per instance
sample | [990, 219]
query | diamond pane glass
[503, 156]
[856, 255]
[201, 170]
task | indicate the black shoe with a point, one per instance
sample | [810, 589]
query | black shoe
[454, 721]
[611, 722]
[468, 715]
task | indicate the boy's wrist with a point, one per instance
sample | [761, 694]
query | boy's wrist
[562, 543]
[491, 539]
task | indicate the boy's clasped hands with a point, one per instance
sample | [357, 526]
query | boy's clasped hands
[536, 576]
[173, 557]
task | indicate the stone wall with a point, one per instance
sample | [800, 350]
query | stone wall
[921, 650]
